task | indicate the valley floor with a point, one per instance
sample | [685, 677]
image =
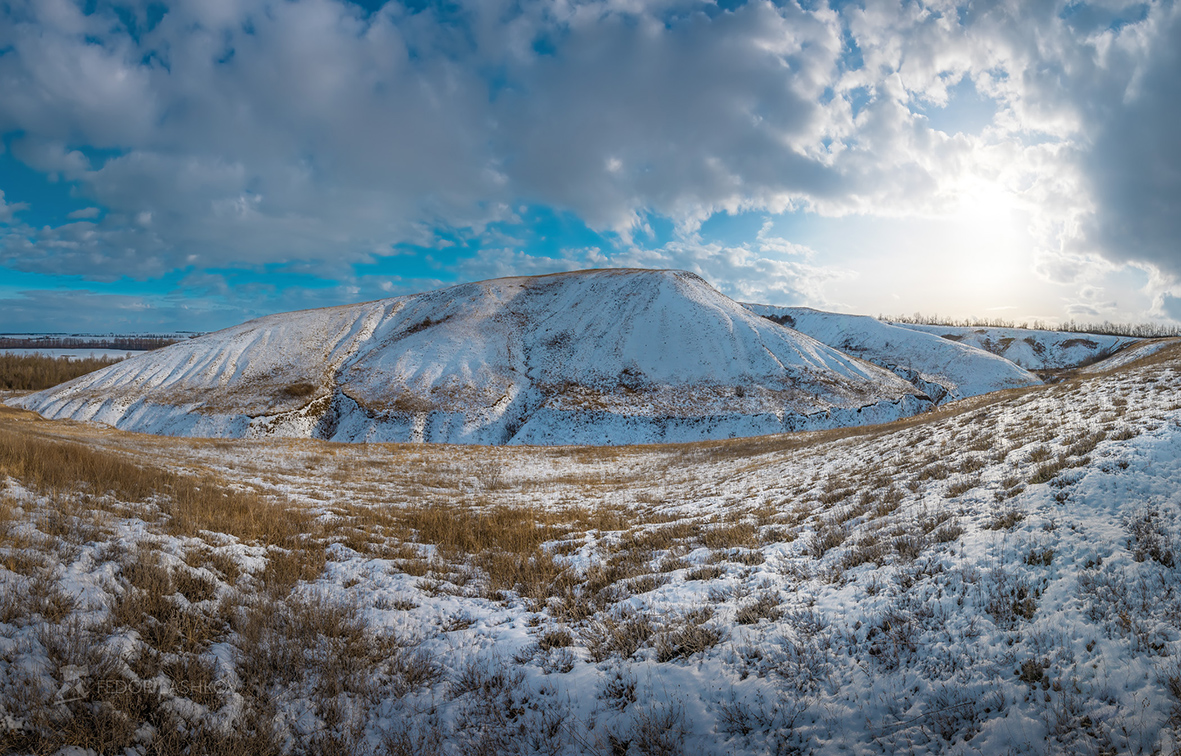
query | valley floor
[999, 576]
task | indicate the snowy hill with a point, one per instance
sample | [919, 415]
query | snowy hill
[1033, 349]
[945, 370]
[596, 357]
[1130, 354]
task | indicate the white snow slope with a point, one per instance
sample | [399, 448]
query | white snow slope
[1033, 349]
[1130, 354]
[595, 357]
[943, 369]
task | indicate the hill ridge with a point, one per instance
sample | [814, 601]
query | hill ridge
[600, 357]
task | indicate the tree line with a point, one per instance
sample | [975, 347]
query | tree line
[130, 343]
[1107, 328]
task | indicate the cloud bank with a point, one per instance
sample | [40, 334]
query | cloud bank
[205, 135]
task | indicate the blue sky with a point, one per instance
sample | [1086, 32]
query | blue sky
[190, 165]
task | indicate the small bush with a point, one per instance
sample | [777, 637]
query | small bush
[1037, 557]
[765, 607]
[829, 536]
[948, 533]
[961, 487]
[559, 638]
[685, 635]
[620, 689]
[1149, 538]
[301, 389]
[620, 633]
[707, 572]
[1007, 519]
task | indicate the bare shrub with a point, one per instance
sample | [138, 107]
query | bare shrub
[492, 717]
[707, 572]
[868, 548]
[1006, 520]
[1083, 443]
[909, 546]
[685, 636]
[948, 533]
[750, 558]
[1149, 537]
[961, 487]
[893, 637]
[620, 633]
[556, 638]
[308, 639]
[889, 502]
[1040, 454]
[619, 690]
[646, 583]
[413, 738]
[737, 534]
[954, 712]
[937, 471]
[659, 730]
[1045, 473]
[412, 670]
[44, 597]
[765, 607]
[1009, 598]
[829, 536]
[1037, 557]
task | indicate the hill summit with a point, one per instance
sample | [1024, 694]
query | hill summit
[592, 357]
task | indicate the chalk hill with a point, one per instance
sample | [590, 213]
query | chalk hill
[593, 357]
[945, 370]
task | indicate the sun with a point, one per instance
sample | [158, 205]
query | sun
[991, 245]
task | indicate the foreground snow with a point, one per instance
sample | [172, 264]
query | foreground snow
[998, 577]
[596, 357]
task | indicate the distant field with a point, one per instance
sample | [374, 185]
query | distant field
[33, 372]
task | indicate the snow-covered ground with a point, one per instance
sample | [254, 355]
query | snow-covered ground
[944, 369]
[1032, 349]
[1000, 576]
[593, 357]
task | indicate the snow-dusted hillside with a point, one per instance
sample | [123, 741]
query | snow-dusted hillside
[1032, 349]
[945, 370]
[1000, 576]
[1130, 354]
[596, 357]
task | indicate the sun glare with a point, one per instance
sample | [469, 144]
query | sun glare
[991, 245]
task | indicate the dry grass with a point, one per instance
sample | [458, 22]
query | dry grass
[188, 505]
[685, 636]
[33, 372]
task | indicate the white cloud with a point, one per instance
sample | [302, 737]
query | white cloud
[255, 132]
[8, 210]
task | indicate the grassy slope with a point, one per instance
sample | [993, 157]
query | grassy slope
[997, 575]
